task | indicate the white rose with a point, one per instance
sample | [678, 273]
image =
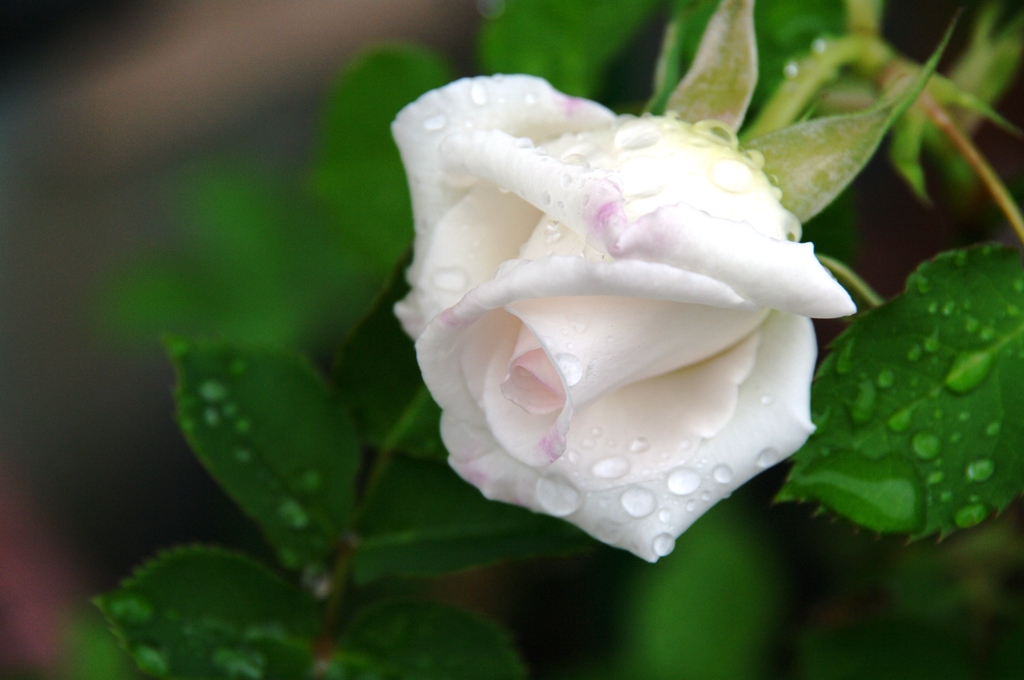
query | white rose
[611, 311]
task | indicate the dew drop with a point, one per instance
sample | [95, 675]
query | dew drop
[130, 608]
[242, 426]
[243, 455]
[524, 143]
[1018, 285]
[557, 496]
[610, 468]
[819, 45]
[292, 513]
[915, 353]
[213, 390]
[960, 259]
[992, 429]
[451, 279]
[926, 445]
[722, 474]
[546, 198]
[862, 410]
[575, 159]
[638, 502]
[768, 458]
[946, 496]
[151, 661]
[933, 307]
[640, 444]
[435, 122]
[922, 284]
[979, 470]
[637, 134]
[238, 663]
[478, 93]
[935, 477]
[683, 481]
[212, 416]
[947, 309]
[900, 421]
[791, 70]
[970, 515]
[665, 516]
[844, 362]
[931, 343]
[588, 443]
[971, 324]
[663, 544]
[691, 506]
[596, 432]
[969, 370]
[732, 175]
[766, 400]
[886, 378]
[570, 367]
[987, 333]
[573, 456]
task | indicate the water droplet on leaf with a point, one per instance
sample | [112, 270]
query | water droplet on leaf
[926, 445]
[979, 470]
[970, 515]
[292, 513]
[969, 370]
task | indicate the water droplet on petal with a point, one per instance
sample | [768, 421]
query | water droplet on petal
[665, 516]
[570, 367]
[557, 496]
[683, 481]
[639, 445]
[435, 122]
[643, 177]
[979, 470]
[970, 515]
[524, 143]
[926, 445]
[732, 175]
[451, 279]
[663, 544]
[610, 468]
[768, 458]
[478, 93]
[576, 159]
[638, 502]
[637, 134]
[691, 506]
[722, 474]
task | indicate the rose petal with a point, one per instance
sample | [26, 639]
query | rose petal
[770, 421]
[779, 274]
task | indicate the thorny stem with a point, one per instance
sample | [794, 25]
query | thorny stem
[852, 282]
[339, 580]
[941, 119]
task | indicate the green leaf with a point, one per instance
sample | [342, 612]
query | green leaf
[892, 649]
[422, 520]
[723, 75]
[568, 42]
[920, 422]
[266, 427]
[358, 172]
[833, 231]
[408, 640]
[206, 613]
[813, 161]
[378, 380]
[710, 609]
[257, 263]
[94, 654]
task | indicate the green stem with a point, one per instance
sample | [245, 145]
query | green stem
[863, 16]
[858, 287]
[324, 648]
[1000, 194]
[814, 72]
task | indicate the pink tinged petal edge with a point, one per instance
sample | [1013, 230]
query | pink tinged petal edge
[769, 272]
[783, 369]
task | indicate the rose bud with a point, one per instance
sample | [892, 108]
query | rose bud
[612, 312]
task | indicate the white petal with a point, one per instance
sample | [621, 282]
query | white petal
[771, 273]
[485, 228]
[644, 511]
[522, 106]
